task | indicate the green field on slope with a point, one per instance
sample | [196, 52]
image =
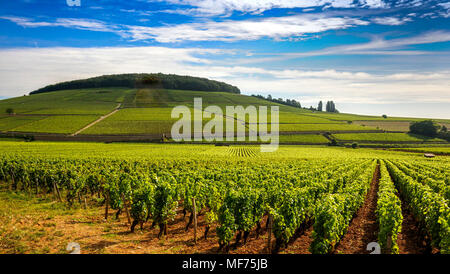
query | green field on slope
[81, 101]
[58, 124]
[303, 138]
[402, 137]
[148, 111]
[9, 123]
[438, 150]
[136, 151]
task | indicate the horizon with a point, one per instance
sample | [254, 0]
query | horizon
[370, 57]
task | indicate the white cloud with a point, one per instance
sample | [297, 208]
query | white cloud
[378, 46]
[218, 7]
[391, 21]
[45, 66]
[295, 26]
[445, 5]
[84, 24]
[288, 27]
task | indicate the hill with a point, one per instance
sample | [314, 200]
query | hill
[141, 80]
[120, 114]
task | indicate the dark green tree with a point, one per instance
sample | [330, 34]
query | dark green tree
[330, 107]
[319, 107]
[133, 80]
[426, 128]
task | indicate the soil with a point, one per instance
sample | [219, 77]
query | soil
[363, 229]
[410, 241]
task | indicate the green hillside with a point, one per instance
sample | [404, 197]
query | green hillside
[143, 80]
[147, 111]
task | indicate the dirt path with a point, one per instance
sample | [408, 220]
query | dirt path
[363, 228]
[98, 120]
[300, 244]
[409, 239]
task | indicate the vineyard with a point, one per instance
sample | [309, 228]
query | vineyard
[237, 194]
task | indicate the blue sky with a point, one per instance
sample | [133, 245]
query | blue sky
[369, 56]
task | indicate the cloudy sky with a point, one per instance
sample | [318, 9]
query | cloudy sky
[369, 56]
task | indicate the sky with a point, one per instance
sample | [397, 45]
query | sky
[368, 56]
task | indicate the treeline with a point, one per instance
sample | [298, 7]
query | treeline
[287, 102]
[430, 129]
[330, 106]
[140, 80]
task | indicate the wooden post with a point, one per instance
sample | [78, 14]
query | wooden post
[54, 190]
[106, 206]
[389, 244]
[57, 191]
[195, 220]
[125, 204]
[269, 231]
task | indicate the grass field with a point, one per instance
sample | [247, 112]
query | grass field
[10, 123]
[58, 124]
[354, 117]
[386, 125]
[180, 151]
[384, 137]
[439, 150]
[172, 98]
[85, 101]
[322, 127]
[148, 111]
[392, 125]
[303, 138]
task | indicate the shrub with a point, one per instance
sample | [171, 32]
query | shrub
[426, 128]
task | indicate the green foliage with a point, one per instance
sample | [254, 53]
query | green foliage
[389, 212]
[168, 81]
[320, 106]
[444, 135]
[295, 185]
[333, 142]
[430, 208]
[294, 208]
[330, 107]
[166, 202]
[334, 211]
[426, 128]
[287, 102]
